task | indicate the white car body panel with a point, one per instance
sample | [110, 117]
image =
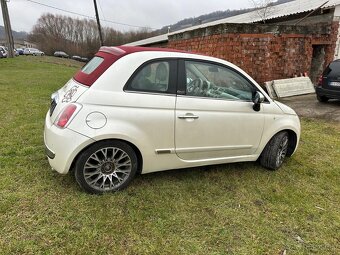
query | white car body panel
[224, 128]
[65, 151]
[226, 131]
[70, 92]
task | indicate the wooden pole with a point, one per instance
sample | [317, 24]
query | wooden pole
[98, 23]
[8, 29]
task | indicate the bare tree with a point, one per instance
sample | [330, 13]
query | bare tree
[263, 8]
[78, 36]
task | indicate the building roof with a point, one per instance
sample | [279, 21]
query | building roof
[282, 10]
[151, 40]
[120, 51]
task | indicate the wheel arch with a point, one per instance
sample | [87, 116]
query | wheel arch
[292, 141]
[134, 147]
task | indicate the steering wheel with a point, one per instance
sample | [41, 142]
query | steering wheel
[195, 87]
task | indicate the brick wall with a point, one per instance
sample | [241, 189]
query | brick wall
[266, 52]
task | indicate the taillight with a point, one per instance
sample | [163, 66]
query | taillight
[66, 115]
[320, 81]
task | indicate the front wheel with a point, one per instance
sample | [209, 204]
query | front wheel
[106, 166]
[275, 151]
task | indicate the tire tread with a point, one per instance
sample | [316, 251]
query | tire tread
[268, 156]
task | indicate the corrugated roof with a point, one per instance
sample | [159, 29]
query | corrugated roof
[155, 39]
[282, 10]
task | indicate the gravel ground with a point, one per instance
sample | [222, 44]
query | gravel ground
[309, 106]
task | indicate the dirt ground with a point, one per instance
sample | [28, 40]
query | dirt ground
[309, 106]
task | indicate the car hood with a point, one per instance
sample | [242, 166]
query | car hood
[286, 109]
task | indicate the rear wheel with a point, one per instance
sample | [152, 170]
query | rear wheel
[275, 151]
[322, 99]
[106, 167]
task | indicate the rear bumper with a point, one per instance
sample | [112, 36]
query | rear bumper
[62, 146]
[335, 94]
[50, 154]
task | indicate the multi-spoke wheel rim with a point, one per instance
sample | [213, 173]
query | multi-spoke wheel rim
[282, 151]
[107, 168]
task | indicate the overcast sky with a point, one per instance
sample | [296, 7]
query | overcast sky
[146, 13]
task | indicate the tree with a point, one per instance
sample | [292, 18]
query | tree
[78, 36]
[263, 8]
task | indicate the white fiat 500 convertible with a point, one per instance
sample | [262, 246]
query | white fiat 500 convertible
[133, 109]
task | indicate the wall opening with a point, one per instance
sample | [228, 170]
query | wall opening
[318, 61]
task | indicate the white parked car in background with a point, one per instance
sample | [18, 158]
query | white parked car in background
[60, 54]
[3, 52]
[33, 52]
[133, 109]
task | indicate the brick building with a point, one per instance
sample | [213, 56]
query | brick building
[297, 37]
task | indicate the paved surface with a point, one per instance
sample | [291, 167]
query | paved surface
[309, 106]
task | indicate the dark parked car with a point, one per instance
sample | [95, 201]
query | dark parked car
[60, 54]
[328, 86]
[20, 51]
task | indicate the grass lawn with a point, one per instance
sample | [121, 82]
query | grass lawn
[225, 209]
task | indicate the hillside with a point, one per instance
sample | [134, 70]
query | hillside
[205, 18]
[16, 35]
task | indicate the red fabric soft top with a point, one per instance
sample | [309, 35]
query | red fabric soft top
[111, 55]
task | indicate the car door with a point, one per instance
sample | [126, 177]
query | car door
[214, 113]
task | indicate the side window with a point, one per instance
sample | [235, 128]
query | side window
[153, 77]
[214, 81]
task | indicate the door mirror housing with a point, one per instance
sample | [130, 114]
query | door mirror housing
[258, 99]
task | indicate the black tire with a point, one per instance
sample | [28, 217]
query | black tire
[322, 99]
[109, 165]
[275, 151]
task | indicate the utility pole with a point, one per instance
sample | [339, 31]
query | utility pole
[98, 23]
[8, 29]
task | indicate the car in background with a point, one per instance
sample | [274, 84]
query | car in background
[328, 86]
[20, 51]
[3, 52]
[78, 58]
[83, 59]
[139, 110]
[33, 52]
[60, 54]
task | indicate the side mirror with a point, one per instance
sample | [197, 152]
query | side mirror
[258, 99]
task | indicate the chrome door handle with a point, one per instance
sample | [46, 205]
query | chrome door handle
[188, 116]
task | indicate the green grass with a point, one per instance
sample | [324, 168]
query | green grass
[225, 209]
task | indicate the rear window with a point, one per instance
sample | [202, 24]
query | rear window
[95, 68]
[92, 65]
[333, 69]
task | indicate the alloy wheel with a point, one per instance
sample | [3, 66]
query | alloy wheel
[107, 168]
[281, 154]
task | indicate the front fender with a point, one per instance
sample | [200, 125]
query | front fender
[277, 123]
